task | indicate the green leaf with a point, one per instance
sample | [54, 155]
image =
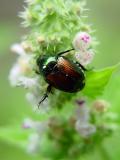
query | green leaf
[97, 80]
[15, 136]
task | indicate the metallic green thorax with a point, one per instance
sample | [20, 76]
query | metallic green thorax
[50, 59]
[45, 64]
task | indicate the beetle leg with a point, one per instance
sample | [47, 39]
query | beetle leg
[61, 53]
[90, 69]
[45, 95]
[80, 65]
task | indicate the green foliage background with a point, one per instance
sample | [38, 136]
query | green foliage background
[104, 15]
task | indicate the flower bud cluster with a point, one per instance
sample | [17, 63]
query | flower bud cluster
[35, 138]
[57, 26]
[23, 75]
[82, 44]
[75, 132]
[82, 125]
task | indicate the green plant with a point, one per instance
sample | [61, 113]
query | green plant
[69, 125]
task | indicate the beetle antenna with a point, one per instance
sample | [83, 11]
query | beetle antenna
[45, 95]
[61, 53]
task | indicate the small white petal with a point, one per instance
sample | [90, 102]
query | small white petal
[40, 127]
[82, 41]
[28, 123]
[26, 58]
[85, 57]
[17, 48]
[82, 113]
[21, 68]
[34, 99]
[15, 74]
[85, 129]
[25, 64]
[33, 144]
[28, 82]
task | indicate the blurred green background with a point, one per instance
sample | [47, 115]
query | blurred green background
[104, 15]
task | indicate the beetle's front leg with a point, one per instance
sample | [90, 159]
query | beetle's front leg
[80, 65]
[49, 88]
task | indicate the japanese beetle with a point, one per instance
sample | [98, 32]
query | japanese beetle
[61, 73]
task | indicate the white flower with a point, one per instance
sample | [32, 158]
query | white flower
[15, 74]
[25, 63]
[85, 57]
[21, 68]
[82, 41]
[38, 126]
[28, 123]
[35, 139]
[33, 143]
[34, 99]
[85, 129]
[82, 124]
[82, 112]
[17, 48]
[28, 82]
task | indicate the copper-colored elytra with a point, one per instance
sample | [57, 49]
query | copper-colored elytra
[67, 67]
[62, 82]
